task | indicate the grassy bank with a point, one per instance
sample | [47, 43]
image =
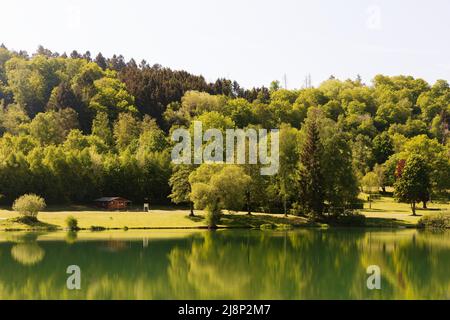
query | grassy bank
[164, 218]
[384, 212]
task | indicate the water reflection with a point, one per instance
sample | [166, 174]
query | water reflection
[27, 254]
[303, 264]
[26, 251]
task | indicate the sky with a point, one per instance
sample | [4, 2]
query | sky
[251, 41]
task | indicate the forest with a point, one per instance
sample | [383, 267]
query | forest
[74, 128]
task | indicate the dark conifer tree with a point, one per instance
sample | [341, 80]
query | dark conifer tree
[311, 176]
[75, 55]
[101, 61]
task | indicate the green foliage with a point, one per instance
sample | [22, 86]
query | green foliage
[383, 147]
[72, 223]
[341, 185]
[212, 218]
[97, 228]
[311, 171]
[73, 129]
[289, 158]
[267, 226]
[126, 130]
[13, 119]
[52, 127]
[414, 183]
[218, 187]
[101, 128]
[351, 219]
[370, 182]
[435, 221]
[111, 97]
[29, 205]
[180, 186]
[179, 181]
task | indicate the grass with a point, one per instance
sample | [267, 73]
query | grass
[19, 222]
[163, 218]
[385, 212]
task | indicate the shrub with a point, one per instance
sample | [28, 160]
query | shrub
[435, 221]
[350, 219]
[297, 209]
[72, 223]
[267, 226]
[97, 228]
[29, 205]
[284, 226]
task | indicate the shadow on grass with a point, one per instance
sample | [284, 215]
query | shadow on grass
[385, 222]
[87, 207]
[29, 223]
[429, 209]
[255, 221]
[195, 218]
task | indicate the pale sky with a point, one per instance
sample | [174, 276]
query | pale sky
[251, 41]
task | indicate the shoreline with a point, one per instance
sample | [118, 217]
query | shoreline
[385, 213]
[100, 229]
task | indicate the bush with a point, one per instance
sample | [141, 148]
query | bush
[297, 209]
[349, 219]
[72, 223]
[97, 228]
[284, 226]
[267, 226]
[29, 205]
[435, 221]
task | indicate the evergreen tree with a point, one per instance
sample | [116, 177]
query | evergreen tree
[101, 61]
[311, 176]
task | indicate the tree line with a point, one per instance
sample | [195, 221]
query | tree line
[74, 128]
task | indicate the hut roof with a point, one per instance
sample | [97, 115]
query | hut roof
[108, 199]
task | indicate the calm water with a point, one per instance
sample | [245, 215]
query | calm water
[304, 264]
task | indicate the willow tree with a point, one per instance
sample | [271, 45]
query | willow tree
[218, 187]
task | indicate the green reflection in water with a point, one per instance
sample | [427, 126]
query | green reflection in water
[301, 264]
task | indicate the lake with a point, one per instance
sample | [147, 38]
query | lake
[226, 264]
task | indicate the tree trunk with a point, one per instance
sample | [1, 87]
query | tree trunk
[249, 209]
[285, 206]
[191, 207]
[424, 204]
[413, 207]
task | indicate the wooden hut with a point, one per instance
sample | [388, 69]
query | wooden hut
[112, 203]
